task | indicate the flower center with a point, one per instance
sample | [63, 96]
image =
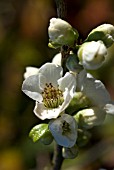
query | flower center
[66, 128]
[52, 97]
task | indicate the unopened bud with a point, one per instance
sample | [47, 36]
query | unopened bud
[87, 118]
[92, 54]
[104, 32]
[61, 33]
[70, 153]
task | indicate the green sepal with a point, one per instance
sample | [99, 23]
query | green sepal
[53, 45]
[99, 35]
[72, 63]
[39, 132]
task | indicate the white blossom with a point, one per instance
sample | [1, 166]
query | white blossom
[64, 130]
[98, 104]
[50, 90]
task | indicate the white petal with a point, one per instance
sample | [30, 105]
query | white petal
[67, 99]
[51, 72]
[56, 128]
[45, 113]
[68, 81]
[94, 90]
[31, 87]
[80, 79]
[30, 71]
[92, 116]
[57, 59]
[109, 108]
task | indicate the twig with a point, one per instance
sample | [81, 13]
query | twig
[57, 158]
[61, 9]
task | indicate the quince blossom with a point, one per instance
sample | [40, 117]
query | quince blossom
[100, 101]
[50, 90]
[64, 130]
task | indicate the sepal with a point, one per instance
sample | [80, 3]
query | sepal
[104, 32]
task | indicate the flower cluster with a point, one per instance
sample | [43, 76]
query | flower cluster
[70, 99]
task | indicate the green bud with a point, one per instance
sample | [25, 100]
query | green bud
[72, 63]
[70, 153]
[92, 54]
[79, 101]
[104, 32]
[61, 33]
[87, 118]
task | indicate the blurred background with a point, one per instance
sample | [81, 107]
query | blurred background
[23, 42]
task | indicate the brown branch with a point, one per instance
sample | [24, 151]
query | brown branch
[57, 158]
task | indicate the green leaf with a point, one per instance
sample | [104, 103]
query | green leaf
[39, 131]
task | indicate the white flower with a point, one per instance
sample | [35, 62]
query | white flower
[95, 91]
[30, 71]
[50, 90]
[57, 59]
[92, 54]
[98, 103]
[64, 130]
[61, 33]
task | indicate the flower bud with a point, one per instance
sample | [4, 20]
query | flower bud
[70, 153]
[61, 33]
[87, 118]
[92, 54]
[104, 32]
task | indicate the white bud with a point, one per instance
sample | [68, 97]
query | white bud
[92, 54]
[61, 33]
[90, 117]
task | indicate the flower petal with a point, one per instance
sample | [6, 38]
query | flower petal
[109, 108]
[31, 87]
[68, 81]
[67, 100]
[30, 71]
[90, 117]
[56, 127]
[51, 72]
[93, 89]
[45, 113]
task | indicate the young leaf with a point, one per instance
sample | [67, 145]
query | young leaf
[39, 131]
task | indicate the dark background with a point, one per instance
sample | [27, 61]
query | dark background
[23, 42]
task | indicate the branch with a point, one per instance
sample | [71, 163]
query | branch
[57, 158]
[61, 9]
